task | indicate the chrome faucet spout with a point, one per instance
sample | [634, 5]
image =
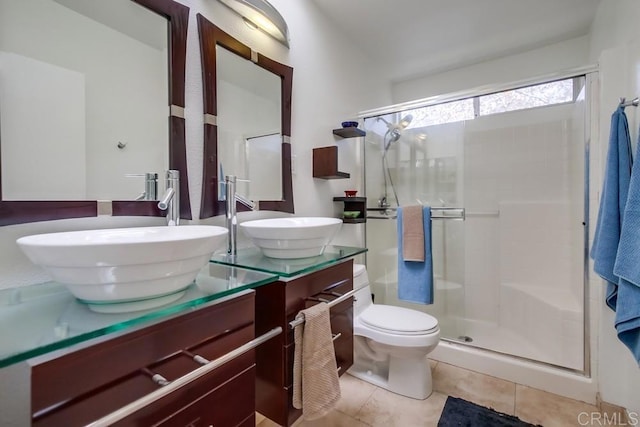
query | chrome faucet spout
[164, 203]
[170, 200]
[231, 214]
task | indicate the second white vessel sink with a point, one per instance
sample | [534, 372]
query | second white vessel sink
[125, 269]
[294, 237]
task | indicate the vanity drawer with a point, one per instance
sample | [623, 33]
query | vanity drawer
[82, 386]
[225, 406]
[116, 395]
[311, 285]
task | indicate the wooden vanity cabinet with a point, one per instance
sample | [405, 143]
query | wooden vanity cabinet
[277, 304]
[81, 386]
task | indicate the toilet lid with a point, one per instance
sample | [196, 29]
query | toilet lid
[398, 320]
[358, 269]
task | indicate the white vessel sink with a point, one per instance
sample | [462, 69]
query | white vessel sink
[295, 237]
[125, 269]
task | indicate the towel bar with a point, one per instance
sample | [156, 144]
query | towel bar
[336, 301]
[624, 103]
[442, 212]
[136, 405]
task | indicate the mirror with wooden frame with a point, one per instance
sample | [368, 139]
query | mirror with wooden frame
[83, 106]
[244, 118]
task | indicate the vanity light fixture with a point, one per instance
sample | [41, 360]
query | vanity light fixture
[261, 14]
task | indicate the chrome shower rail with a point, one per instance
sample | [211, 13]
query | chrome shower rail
[443, 212]
[172, 386]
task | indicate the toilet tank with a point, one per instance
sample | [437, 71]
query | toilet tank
[363, 296]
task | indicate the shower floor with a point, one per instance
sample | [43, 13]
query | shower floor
[491, 336]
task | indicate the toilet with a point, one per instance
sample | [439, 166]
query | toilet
[391, 343]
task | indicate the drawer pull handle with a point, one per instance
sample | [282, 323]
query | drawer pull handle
[318, 299]
[160, 380]
[147, 400]
[335, 294]
[339, 368]
[336, 336]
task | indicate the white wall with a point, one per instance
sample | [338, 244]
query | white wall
[332, 81]
[615, 44]
[548, 59]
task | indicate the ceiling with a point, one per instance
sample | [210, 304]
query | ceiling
[412, 38]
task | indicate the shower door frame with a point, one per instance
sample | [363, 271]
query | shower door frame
[590, 74]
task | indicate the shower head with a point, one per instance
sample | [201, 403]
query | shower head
[395, 129]
[406, 121]
[401, 125]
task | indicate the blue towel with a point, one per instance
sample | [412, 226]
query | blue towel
[612, 204]
[627, 267]
[415, 279]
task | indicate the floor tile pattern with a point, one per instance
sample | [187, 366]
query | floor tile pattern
[363, 404]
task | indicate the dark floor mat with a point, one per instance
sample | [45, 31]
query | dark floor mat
[460, 413]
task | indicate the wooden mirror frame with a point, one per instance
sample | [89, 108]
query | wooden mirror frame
[24, 211]
[210, 37]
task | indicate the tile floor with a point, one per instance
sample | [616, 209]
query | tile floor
[364, 404]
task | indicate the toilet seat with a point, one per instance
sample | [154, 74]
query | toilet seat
[398, 320]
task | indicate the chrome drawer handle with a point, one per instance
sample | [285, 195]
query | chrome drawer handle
[318, 299]
[147, 400]
[336, 336]
[335, 294]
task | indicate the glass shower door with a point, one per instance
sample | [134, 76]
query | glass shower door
[409, 165]
[509, 278]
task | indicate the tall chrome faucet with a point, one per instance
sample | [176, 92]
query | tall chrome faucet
[231, 219]
[170, 200]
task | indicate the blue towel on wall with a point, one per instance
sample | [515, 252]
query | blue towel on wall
[612, 204]
[627, 267]
[415, 279]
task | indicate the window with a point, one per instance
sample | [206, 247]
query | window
[527, 97]
[539, 95]
[455, 111]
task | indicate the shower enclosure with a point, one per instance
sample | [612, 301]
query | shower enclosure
[504, 174]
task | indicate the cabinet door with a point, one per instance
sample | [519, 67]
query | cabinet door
[342, 330]
[276, 305]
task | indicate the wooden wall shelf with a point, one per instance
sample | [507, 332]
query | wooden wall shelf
[350, 132]
[354, 204]
[325, 163]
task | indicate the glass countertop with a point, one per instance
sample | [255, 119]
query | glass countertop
[37, 319]
[253, 259]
